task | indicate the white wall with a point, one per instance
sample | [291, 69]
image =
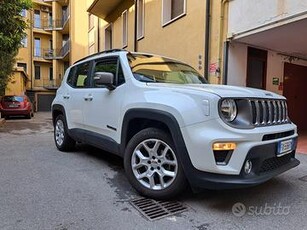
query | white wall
[237, 67]
[248, 14]
[237, 64]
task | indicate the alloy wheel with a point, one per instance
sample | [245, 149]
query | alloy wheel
[154, 164]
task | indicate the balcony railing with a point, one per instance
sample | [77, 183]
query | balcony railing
[56, 24]
[50, 54]
[52, 84]
[42, 24]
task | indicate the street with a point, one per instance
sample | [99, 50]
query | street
[43, 188]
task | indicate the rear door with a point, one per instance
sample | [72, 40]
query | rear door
[74, 95]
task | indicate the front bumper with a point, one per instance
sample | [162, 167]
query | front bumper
[266, 165]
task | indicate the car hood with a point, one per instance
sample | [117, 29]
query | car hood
[221, 90]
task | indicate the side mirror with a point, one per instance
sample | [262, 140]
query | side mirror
[104, 79]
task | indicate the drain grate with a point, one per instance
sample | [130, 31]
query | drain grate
[154, 210]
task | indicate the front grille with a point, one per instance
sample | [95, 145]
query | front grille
[274, 163]
[269, 112]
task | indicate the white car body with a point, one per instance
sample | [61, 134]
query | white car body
[194, 106]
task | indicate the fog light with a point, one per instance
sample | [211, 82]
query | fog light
[248, 167]
[223, 146]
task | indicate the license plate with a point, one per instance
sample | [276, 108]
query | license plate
[284, 147]
[13, 106]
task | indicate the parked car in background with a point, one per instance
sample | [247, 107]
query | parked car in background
[16, 106]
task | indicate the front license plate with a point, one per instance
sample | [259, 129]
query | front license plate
[284, 147]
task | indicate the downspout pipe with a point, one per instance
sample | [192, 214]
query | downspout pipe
[135, 26]
[225, 63]
[207, 41]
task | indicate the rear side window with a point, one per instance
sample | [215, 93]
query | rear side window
[111, 65]
[78, 76]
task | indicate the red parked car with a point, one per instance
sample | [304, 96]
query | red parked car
[16, 106]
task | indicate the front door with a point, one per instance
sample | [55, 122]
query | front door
[256, 68]
[102, 111]
[295, 82]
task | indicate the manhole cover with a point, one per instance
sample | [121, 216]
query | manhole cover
[304, 178]
[154, 210]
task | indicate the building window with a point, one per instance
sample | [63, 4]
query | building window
[108, 38]
[91, 49]
[23, 13]
[37, 73]
[91, 21]
[50, 73]
[140, 18]
[125, 28]
[172, 10]
[23, 65]
[37, 47]
[37, 19]
[24, 42]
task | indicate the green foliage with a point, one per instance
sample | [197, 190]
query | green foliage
[12, 31]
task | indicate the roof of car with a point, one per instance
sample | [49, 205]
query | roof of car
[117, 51]
[99, 53]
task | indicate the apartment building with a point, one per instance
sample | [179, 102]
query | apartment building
[57, 37]
[185, 30]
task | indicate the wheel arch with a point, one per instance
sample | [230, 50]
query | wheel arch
[161, 117]
[57, 110]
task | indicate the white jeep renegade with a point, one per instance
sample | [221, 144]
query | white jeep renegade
[171, 127]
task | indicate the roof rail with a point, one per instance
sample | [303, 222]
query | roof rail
[102, 52]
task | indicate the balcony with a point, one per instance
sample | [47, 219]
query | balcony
[62, 2]
[52, 84]
[57, 54]
[40, 25]
[38, 55]
[57, 24]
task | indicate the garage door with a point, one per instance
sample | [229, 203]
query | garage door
[44, 102]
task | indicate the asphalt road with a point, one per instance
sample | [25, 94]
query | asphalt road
[42, 188]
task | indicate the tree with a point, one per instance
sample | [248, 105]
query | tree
[12, 31]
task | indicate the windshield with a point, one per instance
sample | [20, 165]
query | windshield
[149, 68]
[12, 99]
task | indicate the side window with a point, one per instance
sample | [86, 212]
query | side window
[78, 76]
[111, 66]
[70, 78]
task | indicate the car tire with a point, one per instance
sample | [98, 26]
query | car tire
[151, 156]
[61, 137]
[28, 116]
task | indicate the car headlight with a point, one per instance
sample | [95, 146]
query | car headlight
[228, 109]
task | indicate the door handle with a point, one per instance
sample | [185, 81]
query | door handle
[88, 98]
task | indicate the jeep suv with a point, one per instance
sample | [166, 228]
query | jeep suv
[171, 127]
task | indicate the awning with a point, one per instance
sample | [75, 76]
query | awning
[103, 8]
[288, 39]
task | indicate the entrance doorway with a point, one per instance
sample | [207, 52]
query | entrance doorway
[256, 68]
[295, 82]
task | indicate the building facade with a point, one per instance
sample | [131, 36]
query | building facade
[56, 38]
[186, 30]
